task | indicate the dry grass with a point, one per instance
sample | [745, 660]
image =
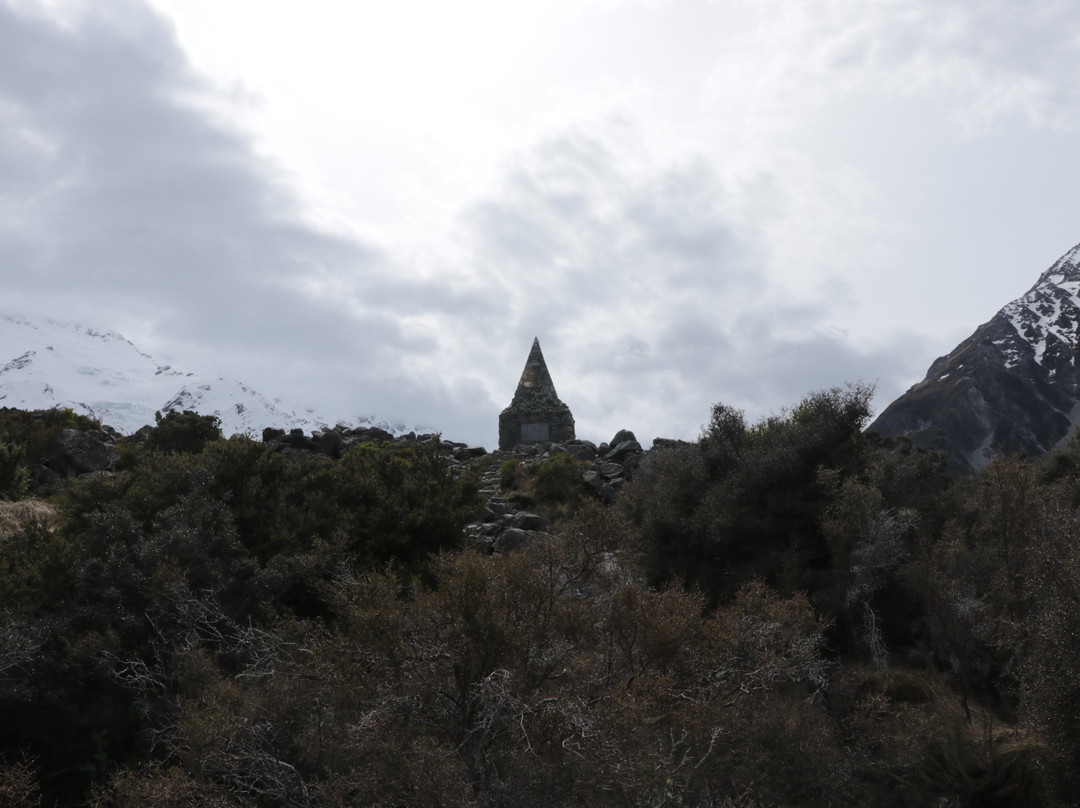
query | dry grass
[13, 515]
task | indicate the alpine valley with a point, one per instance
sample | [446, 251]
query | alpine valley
[1013, 386]
[46, 364]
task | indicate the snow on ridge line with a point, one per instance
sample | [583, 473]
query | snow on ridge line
[1051, 307]
[1071, 257]
[106, 376]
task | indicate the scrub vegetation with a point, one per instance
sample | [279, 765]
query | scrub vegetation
[786, 613]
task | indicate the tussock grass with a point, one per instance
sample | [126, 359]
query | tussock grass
[14, 515]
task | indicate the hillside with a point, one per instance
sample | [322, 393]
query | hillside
[792, 612]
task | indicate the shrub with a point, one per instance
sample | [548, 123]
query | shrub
[13, 474]
[557, 478]
[18, 785]
[185, 431]
[511, 474]
[35, 431]
[982, 766]
[745, 503]
[552, 484]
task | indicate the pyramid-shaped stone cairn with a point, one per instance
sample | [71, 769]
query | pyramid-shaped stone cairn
[536, 415]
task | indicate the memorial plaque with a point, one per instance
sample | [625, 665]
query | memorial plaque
[535, 433]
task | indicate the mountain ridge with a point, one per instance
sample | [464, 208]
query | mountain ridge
[1012, 386]
[102, 374]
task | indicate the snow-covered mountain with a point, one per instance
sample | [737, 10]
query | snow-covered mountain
[46, 364]
[1012, 386]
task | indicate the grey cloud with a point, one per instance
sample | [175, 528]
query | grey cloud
[573, 229]
[661, 306]
[123, 201]
[664, 306]
[679, 217]
[985, 60]
[125, 204]
[138, 184]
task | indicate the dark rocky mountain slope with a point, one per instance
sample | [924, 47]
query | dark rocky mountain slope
[1012, 386]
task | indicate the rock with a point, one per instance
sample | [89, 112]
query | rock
[76, 452]
[623, 450]
[469, 452]
[530, 521]
[296, 439]
[329, 442]
[497, 508]
[669, 443]
[599, 486]
[622, 436]
[581, 450]
[368, 434]
[608, 470]
[141, 435]
[377, 435]
[514, 538]
[44, 482]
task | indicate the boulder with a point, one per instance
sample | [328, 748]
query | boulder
[514, 538]
[469, 452]
[581, 450]
[296, 439]
[329, 442]
[669, 443]
[44, 482]
[495, 510]
[368, 434]
[530, 521]
[623, 450]
[74, 452]
[608, 470]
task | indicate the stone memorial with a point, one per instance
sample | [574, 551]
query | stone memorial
[536, 415]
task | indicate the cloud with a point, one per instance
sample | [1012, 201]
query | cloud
[654, 293]
[768, 204]
[979, 63]
[125, 202]
[132, 186]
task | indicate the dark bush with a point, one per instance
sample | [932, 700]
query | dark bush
[186, 432]
[13, 473]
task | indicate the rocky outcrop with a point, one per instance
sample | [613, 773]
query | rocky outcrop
[335, 442]
[77, 452]
[1012, 386]
[504, 529]
[72, 454]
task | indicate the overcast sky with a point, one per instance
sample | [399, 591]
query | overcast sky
[373, 207]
